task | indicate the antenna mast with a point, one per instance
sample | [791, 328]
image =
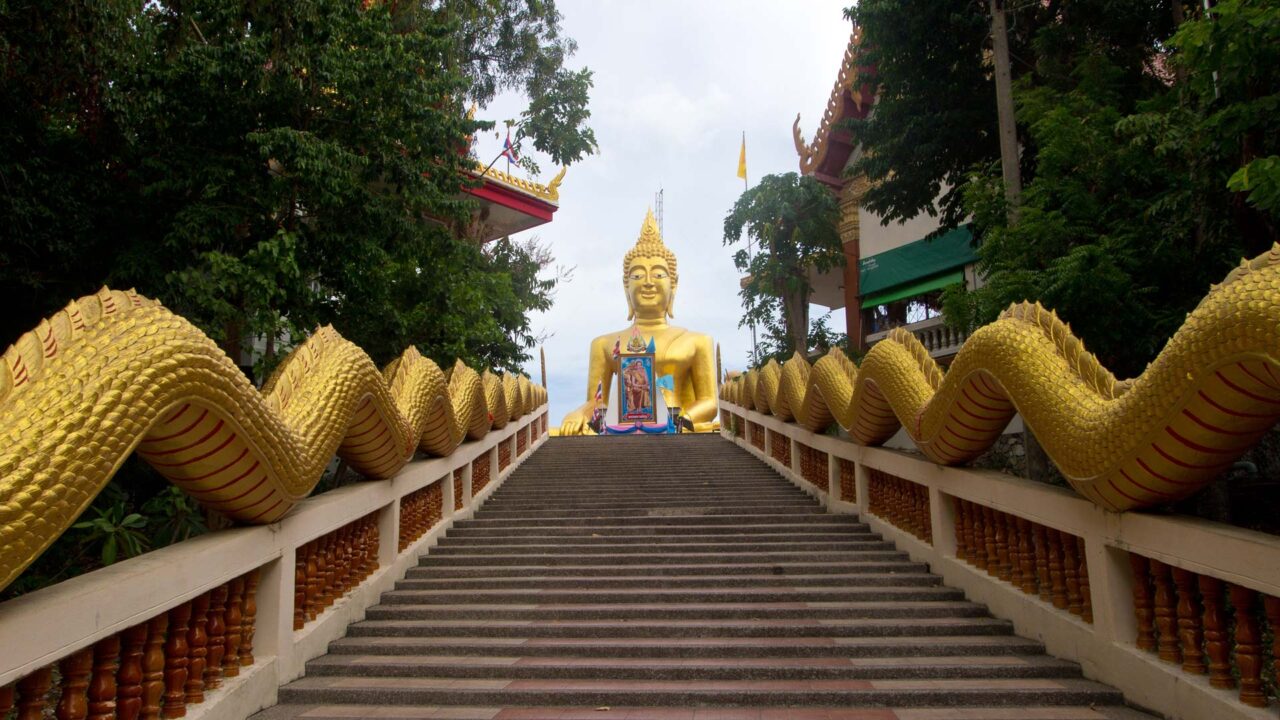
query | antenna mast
[657, 205]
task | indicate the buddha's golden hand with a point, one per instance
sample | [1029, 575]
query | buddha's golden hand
[575, 423]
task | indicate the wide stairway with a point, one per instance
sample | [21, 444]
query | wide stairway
[678, 577]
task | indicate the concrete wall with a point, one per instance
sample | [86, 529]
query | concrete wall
[1106, 648]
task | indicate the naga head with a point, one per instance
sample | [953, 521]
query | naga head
[649, 275]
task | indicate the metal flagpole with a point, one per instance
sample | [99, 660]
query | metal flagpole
[755, 346]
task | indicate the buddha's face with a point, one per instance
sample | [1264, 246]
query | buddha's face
[649, 286]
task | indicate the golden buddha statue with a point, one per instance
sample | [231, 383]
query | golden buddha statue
[650, 280]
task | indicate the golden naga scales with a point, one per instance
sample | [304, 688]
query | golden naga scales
[1210, 395]
[115, 373]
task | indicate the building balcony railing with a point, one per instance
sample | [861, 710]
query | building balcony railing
[939, 339]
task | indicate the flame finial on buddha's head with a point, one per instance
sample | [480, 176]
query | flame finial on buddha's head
[650, 244]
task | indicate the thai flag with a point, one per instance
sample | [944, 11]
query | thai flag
[508, 149]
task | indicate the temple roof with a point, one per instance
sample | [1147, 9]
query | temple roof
[851, 97]
[510, 204]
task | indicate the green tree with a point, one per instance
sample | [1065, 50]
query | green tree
[267, 167]
[794, 221]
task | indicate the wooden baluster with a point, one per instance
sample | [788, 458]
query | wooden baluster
[1271, 606]
[341, 563]
[989, 540]
[1086, 596]
[231, 657]
[1216, 643]
[1014, 539]
[248, 625]
[299, 588]
[321, 558]
[1166, 614]
[313, 580]
[1190, 633]
[372, 540]
[1056, 576]
[1041, 549]
[153, 667]
[1071, 572]
[6, 700]
[973, 535]
[217, 637]
[1026, 556]
[102, 688]
[977, 528]
[1002, 545]
[198, 644]
[129, 679]
[962, 550]
[1143, 604]
[328, 575]
[926, 516]
[1248, 646]
[176, 661]
[33, 691]
[75, 670]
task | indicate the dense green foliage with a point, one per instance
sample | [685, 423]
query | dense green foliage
[793, 221]
[1149, 139]
[264, 167]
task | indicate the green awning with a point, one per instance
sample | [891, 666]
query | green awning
[918, 287]
[914, 262]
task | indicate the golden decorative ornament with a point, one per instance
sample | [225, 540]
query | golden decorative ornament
[115, 373]
[1210, 395]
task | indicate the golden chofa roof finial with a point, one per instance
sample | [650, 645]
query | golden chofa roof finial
[649, 244]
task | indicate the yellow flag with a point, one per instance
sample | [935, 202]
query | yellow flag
[742, 158]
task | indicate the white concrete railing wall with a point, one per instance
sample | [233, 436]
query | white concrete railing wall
[44, 626]
[1106, 649]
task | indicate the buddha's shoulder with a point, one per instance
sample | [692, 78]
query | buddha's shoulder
[684, 335]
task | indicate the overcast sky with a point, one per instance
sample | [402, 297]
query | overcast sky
[676, 85]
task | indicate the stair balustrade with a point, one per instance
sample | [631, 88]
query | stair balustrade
[757, 436]
[1208, 626]
[504, 456]
[780, 448]
[814, 466]
[1180, 614]
[212, 626]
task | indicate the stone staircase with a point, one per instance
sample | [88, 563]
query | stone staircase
[678, 577]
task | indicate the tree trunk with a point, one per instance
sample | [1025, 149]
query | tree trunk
[796, 311]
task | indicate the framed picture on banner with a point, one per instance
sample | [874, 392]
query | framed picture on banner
[637, 389]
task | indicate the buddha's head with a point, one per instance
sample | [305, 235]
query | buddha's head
[649, 275]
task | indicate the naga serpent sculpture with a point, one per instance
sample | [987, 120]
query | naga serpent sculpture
[116, 372]
[1210, 394]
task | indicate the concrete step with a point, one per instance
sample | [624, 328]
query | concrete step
[802, 668]
[671, 548]
[661, 530]
[839, 627]
[481, 610]
[616, 559]
[508, 692]
[726, 595]
[841, 567]
[590, 538]
[429, 581]
[692, 517]
[684, 510]
[739, 712]
[700, 647]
